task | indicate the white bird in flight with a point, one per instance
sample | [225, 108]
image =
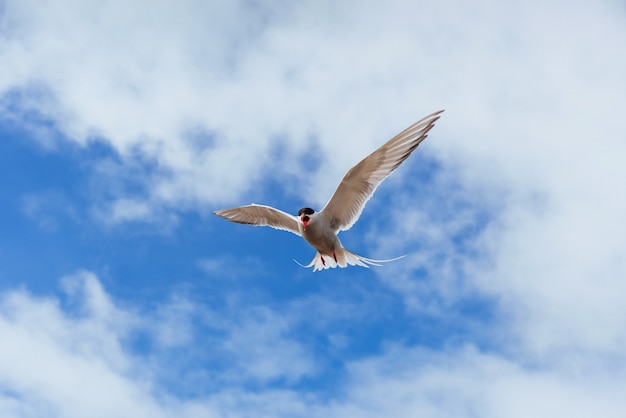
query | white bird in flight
[344, 207]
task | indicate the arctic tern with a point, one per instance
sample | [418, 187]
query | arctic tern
[344, 207]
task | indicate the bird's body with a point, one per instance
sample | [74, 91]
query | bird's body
[319, 234]
[345, 206]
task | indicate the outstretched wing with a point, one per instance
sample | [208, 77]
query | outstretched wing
[358, 185]
[261, 215]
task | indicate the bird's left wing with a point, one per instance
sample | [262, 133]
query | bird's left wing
[261, 215]
[358, 185]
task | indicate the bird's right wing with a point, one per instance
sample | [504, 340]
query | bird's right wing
[260, 215]
[358, 185]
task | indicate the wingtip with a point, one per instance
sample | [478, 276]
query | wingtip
[218, 212]
[437, 114]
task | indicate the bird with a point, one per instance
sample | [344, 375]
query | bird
[345, 206]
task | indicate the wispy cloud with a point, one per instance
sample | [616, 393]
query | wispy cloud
[149, 79]
[464, 382]
[46, 207]
[61, 362]
[72, 357]
[75, 356]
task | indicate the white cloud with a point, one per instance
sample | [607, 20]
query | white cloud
[207, 91]
[231, 266]
[201, 89]
[467, 383]
[173, 324]
[69, 366]
[263, 353]
[72, 358]
[75, 356]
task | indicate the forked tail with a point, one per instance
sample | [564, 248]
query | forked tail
[343, 258]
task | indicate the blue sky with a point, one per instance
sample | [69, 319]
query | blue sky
[124, 126]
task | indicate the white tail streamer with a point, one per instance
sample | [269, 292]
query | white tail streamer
[345, 258]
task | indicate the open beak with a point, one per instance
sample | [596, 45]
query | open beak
[305, 220]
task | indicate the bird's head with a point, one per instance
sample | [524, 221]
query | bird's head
[305, 216]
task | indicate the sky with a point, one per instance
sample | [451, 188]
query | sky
[123, 126]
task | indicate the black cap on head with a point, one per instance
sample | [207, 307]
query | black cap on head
[306, 211]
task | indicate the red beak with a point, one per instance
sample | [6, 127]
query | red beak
[305, 220]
